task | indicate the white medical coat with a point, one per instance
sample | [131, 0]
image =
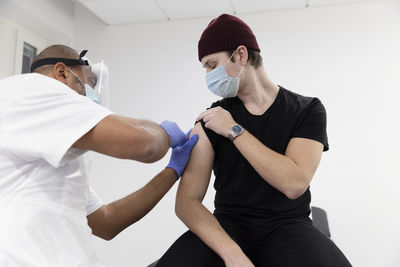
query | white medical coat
[44, 192]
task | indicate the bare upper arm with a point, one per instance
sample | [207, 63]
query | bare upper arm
[195, 179]
[306, 153]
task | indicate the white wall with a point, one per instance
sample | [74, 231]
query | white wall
[7, 48]
[38, 22]
[347, 55]
[50, 19]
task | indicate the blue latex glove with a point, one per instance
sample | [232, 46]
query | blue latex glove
[177, 136]
[181, 154]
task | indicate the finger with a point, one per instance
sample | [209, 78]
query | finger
[192, 141]
[205, 113]
[207, 118]
[202, 115]
[188, 133]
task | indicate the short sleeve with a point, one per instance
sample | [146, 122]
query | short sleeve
[44, 118]
[212, 136]
[94, 202]
[312, 124]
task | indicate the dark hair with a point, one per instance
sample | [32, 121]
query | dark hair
[255, 59]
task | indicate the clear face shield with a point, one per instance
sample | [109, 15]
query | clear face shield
[96, 76]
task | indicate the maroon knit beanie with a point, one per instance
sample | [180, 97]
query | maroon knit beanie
[225, 33]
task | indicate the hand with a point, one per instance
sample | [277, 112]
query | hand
[217, 119]
[181, 154]
[174, 132]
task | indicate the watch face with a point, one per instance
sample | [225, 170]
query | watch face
[236, 129]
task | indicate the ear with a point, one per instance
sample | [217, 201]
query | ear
[60, 72]
[243, 55]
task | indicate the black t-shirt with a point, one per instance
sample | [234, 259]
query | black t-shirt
[239, 188]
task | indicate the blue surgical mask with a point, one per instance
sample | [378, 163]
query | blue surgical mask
[89, 91]
[221, 84]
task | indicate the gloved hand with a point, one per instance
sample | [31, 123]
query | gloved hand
[181, 154]
[177, 136]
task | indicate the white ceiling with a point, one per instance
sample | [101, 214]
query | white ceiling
[115, 12]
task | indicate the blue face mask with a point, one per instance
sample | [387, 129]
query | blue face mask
[221, 84]
[89, 91]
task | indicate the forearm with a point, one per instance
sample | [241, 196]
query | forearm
[126, 138]
[278, 170]
[290, 177]
[159, 141]
[130, 209]
[202, 223]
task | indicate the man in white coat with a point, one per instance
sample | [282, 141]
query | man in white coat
[47, 122]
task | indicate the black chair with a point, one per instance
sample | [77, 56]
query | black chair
[319, 218]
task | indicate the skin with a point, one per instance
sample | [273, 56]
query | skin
[116, 136]
[109, 220]
[124, 138]
[290, 173]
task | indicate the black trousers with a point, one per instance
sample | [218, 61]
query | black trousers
[285, 242]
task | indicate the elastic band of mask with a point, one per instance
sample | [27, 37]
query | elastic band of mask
[230, 59]
[66, 61]
[76, 76]
[231, 56]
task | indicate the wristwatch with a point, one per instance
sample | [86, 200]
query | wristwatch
[235, 131]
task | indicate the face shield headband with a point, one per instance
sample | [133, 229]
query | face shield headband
[66, 61]
[96, 75]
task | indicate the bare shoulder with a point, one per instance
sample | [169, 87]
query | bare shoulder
[195, 179]
[203, 152]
